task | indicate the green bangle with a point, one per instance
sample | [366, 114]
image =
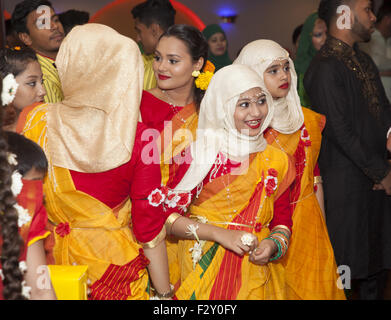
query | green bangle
[279, 254]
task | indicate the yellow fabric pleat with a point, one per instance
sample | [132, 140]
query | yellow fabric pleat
[174, 139]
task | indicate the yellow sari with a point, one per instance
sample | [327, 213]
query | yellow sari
[311, 270]
[117, 265]
[177, 140]
[220, 274]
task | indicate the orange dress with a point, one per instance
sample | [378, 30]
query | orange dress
[311, 270]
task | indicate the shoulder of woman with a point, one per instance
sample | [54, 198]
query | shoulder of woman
[34, 118]
[313, 120]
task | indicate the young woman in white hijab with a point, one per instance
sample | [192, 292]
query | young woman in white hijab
[239, 184]
[311, 274]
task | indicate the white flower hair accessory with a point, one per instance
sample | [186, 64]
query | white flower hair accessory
[17, 184]
[12, 159]
[10, 86]
[23, 215]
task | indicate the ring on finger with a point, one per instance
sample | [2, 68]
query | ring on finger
[247, 239]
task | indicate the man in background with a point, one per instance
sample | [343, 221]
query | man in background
[343, 83]
[38, 27]
[379, 48]
[152, 19]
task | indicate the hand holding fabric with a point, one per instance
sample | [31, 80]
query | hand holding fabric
[232, 240]
[262, 254]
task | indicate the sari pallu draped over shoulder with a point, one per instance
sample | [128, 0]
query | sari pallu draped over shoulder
[311, 270]
[221, 274]
[175, 130]
[117, 265]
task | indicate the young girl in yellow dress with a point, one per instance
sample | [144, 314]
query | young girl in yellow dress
[238, 183]
[311, 270]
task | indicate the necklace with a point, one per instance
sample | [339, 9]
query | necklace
[244, 221]
[173, 105]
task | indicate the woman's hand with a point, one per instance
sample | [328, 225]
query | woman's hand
[262, 254]
[231, 240]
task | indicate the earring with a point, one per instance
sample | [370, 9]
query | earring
[196, 74]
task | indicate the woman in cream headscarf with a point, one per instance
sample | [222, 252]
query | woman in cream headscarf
[311, 274]
[239, 184]
[96, 174]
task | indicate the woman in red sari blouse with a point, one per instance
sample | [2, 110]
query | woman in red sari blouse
[172, 107]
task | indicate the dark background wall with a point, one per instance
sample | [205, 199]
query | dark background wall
[271, 19]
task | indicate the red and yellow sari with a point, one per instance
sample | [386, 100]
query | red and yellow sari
[221, 274]
[311, 270]
[176, 129]
[89, 232]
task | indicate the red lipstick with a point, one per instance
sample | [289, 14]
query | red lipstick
[162, 77]
[284, 86]
[255, 126]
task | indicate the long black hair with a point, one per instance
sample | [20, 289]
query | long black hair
[197, 46]
[12, 242]
[29, 154]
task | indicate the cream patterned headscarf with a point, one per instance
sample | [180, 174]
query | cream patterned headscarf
[93, 128]
[216, 127]
[259, 55]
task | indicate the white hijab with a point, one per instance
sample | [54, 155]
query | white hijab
[259, 55]
[216, 127]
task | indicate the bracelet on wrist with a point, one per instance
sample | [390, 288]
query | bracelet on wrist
[165, 295]
[279, 252]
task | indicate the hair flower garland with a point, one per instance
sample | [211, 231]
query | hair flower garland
[203, 80]
[10, 86]
[17, 184]
[12, 159]
[23, 215]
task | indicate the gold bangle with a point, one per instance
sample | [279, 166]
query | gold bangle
[318, 180]
[159, 238]
[171, 220]
[282, 227]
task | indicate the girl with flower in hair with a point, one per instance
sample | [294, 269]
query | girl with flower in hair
[311, 270]
[171, 109]
[23, 65]
[240, 189]
[23, 217]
